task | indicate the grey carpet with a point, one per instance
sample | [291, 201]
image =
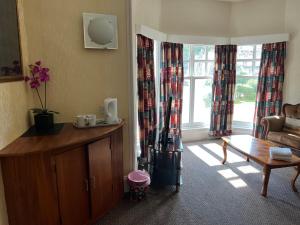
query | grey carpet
[207, 197]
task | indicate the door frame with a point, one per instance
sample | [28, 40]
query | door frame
[132, 70]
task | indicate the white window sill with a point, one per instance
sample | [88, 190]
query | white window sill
[242, 125]
[194, 128]
[193, 134]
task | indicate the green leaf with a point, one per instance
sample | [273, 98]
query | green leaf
[53, 112]
[36, 110]
[39, 110]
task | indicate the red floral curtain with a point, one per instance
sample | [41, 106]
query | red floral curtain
[146, 93]
[223, 90]
[270, 84]
[171, 84]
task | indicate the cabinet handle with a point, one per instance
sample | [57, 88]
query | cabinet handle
[86, 184]
[93, 181]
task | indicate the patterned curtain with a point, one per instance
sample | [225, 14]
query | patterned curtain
[270, 84]
[223, 90]
[171, 84]
[146, 93]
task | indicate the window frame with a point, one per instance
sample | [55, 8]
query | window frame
[254, 59]
[192, 78]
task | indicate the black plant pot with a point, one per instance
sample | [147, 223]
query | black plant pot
[44, 121]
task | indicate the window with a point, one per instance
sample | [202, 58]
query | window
[198, 74]
[247, 69]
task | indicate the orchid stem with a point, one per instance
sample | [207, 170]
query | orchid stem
[37, 91]
[45, 95]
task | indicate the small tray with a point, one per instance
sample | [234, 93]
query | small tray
[99, 123]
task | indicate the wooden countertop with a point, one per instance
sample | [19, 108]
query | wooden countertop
[68, 137]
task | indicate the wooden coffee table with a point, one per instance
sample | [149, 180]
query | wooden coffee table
[258, 151]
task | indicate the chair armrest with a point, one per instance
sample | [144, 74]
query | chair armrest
[272, 123]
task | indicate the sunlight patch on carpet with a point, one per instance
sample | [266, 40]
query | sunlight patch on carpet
[228, 173]
[218, 150]
[204, 155]
[238, 183]
[248, 169]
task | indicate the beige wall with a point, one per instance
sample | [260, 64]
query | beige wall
[292, 78]
[257, 17]
[147, 13]
[195, 17]
[13, 111]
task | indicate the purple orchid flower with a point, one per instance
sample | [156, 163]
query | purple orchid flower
[44, 75]
[36, 70]
[34, 83]
[38, 75]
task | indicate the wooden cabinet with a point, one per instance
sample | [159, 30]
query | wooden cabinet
[72, 178]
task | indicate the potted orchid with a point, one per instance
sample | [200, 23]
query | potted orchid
[39, 76]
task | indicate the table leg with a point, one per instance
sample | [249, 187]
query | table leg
[225, 152]
[178, 172]
[247, 159]
[266, 176]
[295, 178]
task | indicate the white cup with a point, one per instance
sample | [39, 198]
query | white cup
[81, 121]
[91, 119]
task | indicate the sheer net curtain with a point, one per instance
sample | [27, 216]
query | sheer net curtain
[270, 84]
[223, 89]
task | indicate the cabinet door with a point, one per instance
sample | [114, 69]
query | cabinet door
[117, 165]
[72, 181]
[100, 177]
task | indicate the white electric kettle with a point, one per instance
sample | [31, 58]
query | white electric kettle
[111, 110]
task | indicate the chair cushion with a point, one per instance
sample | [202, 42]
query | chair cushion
[292, 125]
[285, 138]
[292, 111]
[292, 130]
